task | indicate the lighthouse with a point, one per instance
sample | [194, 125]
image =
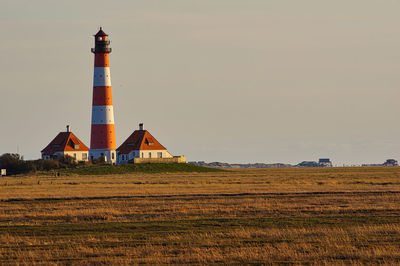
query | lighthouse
[102, 138]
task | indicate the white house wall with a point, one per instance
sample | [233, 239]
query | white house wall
[146, 154]
[124, 158]
[78, 155]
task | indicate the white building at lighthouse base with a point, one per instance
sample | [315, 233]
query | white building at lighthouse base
[110, 156]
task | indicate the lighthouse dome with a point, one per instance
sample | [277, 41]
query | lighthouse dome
[101, 33]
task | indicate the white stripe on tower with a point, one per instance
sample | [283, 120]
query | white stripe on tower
[102, 114]
[101, 77]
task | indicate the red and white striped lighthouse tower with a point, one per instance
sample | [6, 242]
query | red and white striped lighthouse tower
[102, 139]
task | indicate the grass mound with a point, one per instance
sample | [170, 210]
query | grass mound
[138, 168]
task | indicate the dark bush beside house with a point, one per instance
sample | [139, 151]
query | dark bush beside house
[63, 162]
[68, 161]
[100, 160]
[15, 164]
[46, 164]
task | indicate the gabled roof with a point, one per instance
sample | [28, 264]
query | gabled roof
[140, 140]
[101, 33]
[64, 141]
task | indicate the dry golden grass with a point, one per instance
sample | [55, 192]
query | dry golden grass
[244, 181]
[278, 216]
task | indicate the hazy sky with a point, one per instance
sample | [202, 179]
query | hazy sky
[215, 80]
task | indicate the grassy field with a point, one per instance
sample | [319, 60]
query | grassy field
[135, 168]
[279, 216]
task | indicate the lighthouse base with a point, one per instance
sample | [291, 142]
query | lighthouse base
[110, 156]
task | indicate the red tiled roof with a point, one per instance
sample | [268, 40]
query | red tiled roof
[140, 140]
[64, 141]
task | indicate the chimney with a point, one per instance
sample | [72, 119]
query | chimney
[141, 126]
[67, 128]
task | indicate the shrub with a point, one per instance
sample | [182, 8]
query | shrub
[15, 164]
[68, 161]
[100, 160]
[46, 164]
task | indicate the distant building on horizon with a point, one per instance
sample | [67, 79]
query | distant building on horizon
[66, 143]
[308, 164]
[391, 162]
[323, 162]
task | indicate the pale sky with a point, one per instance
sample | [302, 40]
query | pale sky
[215, 80]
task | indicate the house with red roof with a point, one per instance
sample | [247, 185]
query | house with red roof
[66, 143]
[142, 147]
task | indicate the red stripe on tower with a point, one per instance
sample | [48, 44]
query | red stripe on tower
[102, 138]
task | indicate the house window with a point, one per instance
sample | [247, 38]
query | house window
[159, 154]
[75, 156]
[76, 146]
[142, 155]
[112, 156]
[84, 156]
[149, 154]
[149, 141]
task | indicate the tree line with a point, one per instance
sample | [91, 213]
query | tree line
[15, 164]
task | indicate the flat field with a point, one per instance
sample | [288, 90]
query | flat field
[269, 216]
